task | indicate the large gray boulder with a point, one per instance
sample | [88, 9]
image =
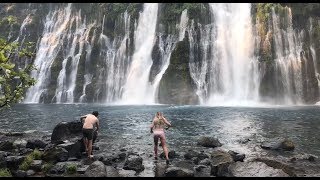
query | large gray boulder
[133, 162]
[178, 172]
[206, 141]
[220, 161]
[96, 169]
[278, 144]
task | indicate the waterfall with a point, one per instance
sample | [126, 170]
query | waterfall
[87, 76]
[313, 54]
[183, 24]
[66, 85]
[137, 86]
[287, 46]
[56, 24]
[227, 72]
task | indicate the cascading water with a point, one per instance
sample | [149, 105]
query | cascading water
[53, 35]
[287, 46]
[227, 60]
[137, 86]
[88, 76]
[66, 85]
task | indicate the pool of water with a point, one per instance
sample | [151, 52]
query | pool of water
[129, 125]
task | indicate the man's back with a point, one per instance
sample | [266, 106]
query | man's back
[89, 121]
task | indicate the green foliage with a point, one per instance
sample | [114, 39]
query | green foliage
[25, 165]
[9, 20]
[71, 168]
[35, 155]
[46, 167]
[13, 81]
[5, 173]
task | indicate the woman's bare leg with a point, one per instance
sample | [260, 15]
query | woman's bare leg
[164, 146]
[155, 139]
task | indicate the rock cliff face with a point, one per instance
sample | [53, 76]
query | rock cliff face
[90, 52]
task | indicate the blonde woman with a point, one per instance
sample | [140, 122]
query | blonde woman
[157, 128]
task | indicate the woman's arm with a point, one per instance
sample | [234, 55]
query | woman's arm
[166, 121]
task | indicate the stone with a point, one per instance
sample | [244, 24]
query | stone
[56, 154]
[36, 165]
[20, 173]
[220, 161]
[133, 162]
[112, 172]
[20, 143]
[127, 173]
[190, 154]
[209, 142]
[13, 162]
[35, 143]
[254, 169]
[6, 146]
[278, 144]
[236, 156]
[202, 171]
[30, 172]
[96, 169]
[178, 172]
[82, 170]
[205, 162]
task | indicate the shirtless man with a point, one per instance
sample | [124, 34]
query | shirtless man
[89, 121]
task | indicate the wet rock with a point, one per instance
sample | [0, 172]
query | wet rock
[202, 171]
[36, 165]
[195, 160]
[278, 164]
[35, 143]
[14, 134]
[190, 154]
[30, 172]
[209, 142]
[20, 173]
[254, 169]
[308, 157]
[133, 162]
[112, 172]
[20, 143]
[205, 162]
[60, 167]
[66, 130]
[96, 169]
[127, 173]
[279, 144]
[220, 161]
[83, 169]
[178, 172]
[25, 151]
[6, 146]
[3, 163]
[202, 156]
[171, 154]
[236, 156]
[185, 164]
[54, 154]
[73, 148]
[160, 168]
[13, 162]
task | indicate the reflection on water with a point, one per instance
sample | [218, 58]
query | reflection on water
[128, 126]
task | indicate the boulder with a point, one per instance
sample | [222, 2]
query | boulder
[36, 143]
[20, 173]
[6, 146]
[30, 172]
[20, 143]
[205, 162]
[279, 144]
[55, 154]
[36, 165]
[190, 154]
[13, 162]
[74, 148]
[66, 130]
[254, 169]
[236, 156]
[112, 172]
[60, 167]
[96, 169]
[127, 173]
[209, 142]
[160, 168]
[220, 161]
[202, 171]
[178, 172]
[3, 163]
[133, 162]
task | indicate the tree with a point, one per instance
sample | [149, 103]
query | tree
[14, 80]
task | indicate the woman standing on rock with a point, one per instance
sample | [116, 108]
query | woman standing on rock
[157, 128]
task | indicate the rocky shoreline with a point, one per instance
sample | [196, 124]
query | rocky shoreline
[61, 154]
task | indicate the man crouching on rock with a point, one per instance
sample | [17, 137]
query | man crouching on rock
[89, 121]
